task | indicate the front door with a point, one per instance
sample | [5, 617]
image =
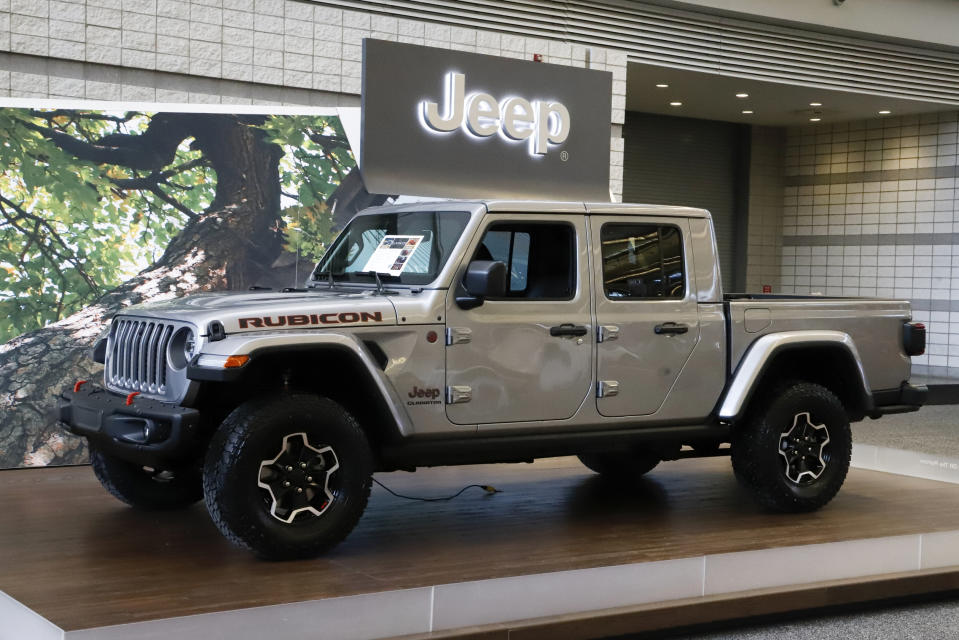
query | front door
[646, 311]
[526, 356]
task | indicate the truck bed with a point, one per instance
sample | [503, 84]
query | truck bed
[875, 325]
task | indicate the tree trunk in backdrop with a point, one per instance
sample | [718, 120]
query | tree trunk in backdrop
[229, 246]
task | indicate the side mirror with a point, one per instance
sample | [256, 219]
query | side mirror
[483, 279]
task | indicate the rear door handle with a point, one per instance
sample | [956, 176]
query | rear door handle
[668, 328]
[568, 330]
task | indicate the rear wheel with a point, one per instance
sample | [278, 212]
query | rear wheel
[620, 465]
[793, 451]
[288, 476]
[146, 487]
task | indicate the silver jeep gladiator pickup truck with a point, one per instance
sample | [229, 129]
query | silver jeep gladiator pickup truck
[449, 333]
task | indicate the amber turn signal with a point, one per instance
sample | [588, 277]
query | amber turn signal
[232, 362]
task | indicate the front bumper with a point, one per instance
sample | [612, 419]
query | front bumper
[146, 432]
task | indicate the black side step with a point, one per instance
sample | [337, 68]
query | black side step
[483, 449]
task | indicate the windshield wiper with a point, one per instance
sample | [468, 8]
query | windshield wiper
[329, 278]
[379, 283]
[381, 290]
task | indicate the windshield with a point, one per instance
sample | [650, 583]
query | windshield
[405, 248]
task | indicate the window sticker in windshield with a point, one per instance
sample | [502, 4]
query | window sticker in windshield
[393, 254]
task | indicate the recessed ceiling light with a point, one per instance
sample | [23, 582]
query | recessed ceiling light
[662, 86]
[747, 112]
[742, 95]
[815, 104]
[815, 119]
[676, 104]
[885, 112]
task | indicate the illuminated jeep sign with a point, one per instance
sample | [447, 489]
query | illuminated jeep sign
[541, 121]
[455, 124]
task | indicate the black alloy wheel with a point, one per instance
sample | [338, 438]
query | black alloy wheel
[298, 479]
[804, 448]
[793, 448]
[288, 476]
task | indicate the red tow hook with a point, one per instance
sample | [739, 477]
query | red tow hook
[131, 397]
[79, 384]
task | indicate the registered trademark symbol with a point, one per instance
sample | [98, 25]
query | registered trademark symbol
[564, 155]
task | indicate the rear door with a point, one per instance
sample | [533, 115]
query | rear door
[646, 310]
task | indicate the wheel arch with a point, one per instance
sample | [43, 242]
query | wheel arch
[827, 358]
[337, 366]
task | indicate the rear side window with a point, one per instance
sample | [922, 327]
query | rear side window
[642, 261]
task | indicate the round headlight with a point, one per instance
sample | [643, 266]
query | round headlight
[182, 348]
[189, 346]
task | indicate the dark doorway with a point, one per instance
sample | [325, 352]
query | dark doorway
[697, 163]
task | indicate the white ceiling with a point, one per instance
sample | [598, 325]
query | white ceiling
[713, 97]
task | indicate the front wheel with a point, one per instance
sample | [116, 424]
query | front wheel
[288, 476]
[793, 451]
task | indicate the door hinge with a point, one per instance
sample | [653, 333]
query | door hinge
[457, 394]
[458, 335]
[607, 388]
[606, 332]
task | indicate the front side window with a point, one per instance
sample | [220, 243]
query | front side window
[405, 248]
[540, 258]
[642, 261]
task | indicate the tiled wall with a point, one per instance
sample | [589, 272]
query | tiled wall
[282, 49]
[870, 209]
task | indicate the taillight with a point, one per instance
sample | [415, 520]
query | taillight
[914, 338]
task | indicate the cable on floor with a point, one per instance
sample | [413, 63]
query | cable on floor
[490, 490]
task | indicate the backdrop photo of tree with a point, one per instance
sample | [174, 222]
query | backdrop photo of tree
[102, 210]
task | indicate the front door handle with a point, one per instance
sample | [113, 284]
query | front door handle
[668, 328]
[568, 330]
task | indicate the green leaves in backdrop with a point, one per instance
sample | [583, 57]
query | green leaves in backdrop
[71, 229]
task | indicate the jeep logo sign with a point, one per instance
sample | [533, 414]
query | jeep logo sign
[541, 121]
[463, 125]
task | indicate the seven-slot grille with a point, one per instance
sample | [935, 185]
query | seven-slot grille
[138, 355]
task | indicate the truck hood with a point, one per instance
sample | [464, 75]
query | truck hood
[271, 310]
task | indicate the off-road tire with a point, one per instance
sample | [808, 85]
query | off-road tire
[254, 433]
[756, 444]
[147, 488]
[620, 465]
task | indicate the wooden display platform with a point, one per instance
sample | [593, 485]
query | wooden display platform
[558, 544]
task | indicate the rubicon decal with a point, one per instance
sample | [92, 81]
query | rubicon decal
[302, 320]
